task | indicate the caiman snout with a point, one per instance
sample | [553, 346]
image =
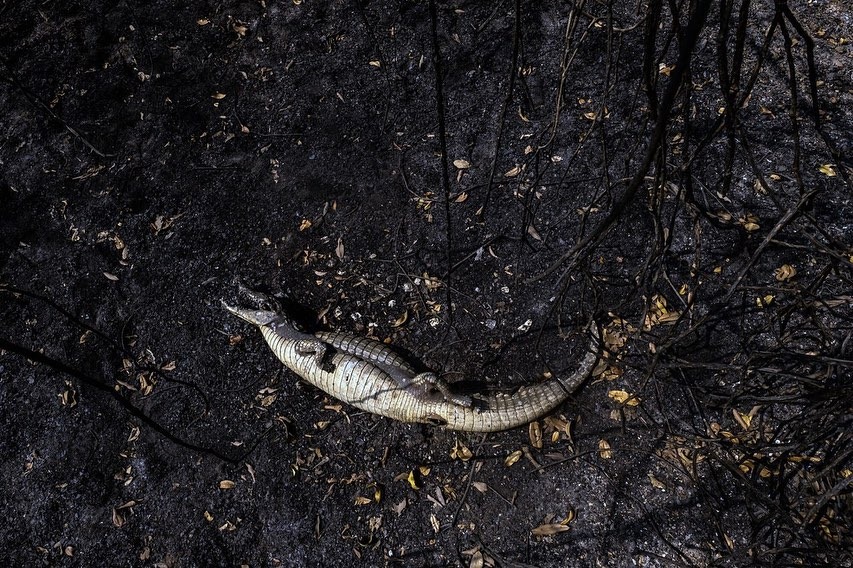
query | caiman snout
[255, 317]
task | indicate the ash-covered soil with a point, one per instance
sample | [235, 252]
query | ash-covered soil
[579, 162]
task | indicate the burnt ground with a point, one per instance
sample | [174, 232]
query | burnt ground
[152, 153]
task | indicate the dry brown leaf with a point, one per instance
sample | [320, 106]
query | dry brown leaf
[623, 397]
[512, 458]
[460, 452]
[531, 230]
[657, 483]
[665, 69]
[118, 518]
[401, 320]
[827, 170]
[749, 222]
[400, 507]
[227, 484]
[604, 450]
[549, 529]
[412, 480]
[513, 172]
[477, 560]
[535, 433]
[785, 272]
[744, 420]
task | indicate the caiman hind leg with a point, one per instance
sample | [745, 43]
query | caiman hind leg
[314, 347]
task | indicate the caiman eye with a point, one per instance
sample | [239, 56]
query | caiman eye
[435, 420]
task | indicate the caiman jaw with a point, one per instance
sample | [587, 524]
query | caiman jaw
[255, 317]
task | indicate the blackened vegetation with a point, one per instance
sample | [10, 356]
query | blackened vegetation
[474, 182]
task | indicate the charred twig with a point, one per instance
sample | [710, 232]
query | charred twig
[63, 368]
[442, 138]
[513, 72]
[696, 24]
[37, 102]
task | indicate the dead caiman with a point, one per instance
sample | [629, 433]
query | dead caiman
[369, 375]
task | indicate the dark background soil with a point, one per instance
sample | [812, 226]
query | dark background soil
[152, 153]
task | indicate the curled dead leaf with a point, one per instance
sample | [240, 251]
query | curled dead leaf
[401, 320]
[512, 458]
[535, 433]
[460, 452]
[785, 272]
[513, 172]
[413, 480]
[749, 222]
[604, 450]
